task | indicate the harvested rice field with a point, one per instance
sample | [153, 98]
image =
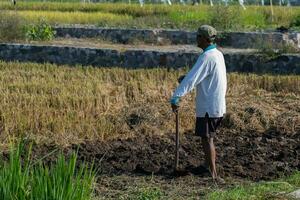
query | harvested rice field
[121, 121]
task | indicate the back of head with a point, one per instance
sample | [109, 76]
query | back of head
[208, 32]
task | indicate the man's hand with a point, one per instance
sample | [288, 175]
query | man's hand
[175, 103]
[174, 108]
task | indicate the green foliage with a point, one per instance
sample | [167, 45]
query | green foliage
[188, 18]
[294, 179]
[296, 21]
[253, 19]
[11, 26]
[22, 180]
[61, 181]
[253, 191]
[225, 17]
[149, 194]
[15, 178]
[259, 191]
[40, 31]
[232, 17]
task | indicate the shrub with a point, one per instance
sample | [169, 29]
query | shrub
[253, 19]
[296, 21]
[225, 17]
[40, 31]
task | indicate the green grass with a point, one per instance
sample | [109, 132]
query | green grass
[58, 17]
[148, 194]
[28, 180]
[157, 16]
[259, 191]
[294, 179]
[120, 8]
[158, 188]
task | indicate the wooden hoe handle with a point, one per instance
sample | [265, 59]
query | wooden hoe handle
[177, 141]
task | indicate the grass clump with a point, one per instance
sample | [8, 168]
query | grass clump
[21, 179]
[296, 21]
[40, 31]
[255, 191]
[226, 18]
[149, 194]
[253, 19]
[263, 190]
[14, 177]
[61, 181]
[294, 179]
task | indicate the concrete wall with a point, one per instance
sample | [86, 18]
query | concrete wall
[235, 61]
[156, 36]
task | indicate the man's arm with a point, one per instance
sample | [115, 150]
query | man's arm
[200, 71]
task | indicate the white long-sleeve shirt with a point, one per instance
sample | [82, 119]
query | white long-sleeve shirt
[208, 75]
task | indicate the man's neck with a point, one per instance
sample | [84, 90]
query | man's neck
[205, 46]
[209, 47]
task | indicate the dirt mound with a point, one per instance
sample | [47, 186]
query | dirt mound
[254, 156]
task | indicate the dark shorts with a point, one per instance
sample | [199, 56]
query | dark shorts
[206, 126]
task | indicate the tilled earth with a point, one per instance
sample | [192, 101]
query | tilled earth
[254, 156]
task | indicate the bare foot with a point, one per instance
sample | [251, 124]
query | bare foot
[219, 181]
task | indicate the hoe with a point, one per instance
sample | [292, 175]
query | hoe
[177, 170]
[177, 142]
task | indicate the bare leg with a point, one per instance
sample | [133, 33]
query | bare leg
[210, 155]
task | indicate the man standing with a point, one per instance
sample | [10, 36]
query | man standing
[208, 75]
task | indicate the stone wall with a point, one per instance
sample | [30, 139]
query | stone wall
[235, 61]
[159, 36]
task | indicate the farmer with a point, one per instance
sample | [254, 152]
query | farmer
[208, 75]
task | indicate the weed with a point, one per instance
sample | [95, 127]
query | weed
[294, 179]
[296, 21]
[264, 190]
[149, 194]
[40, 31]
[225, 18]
